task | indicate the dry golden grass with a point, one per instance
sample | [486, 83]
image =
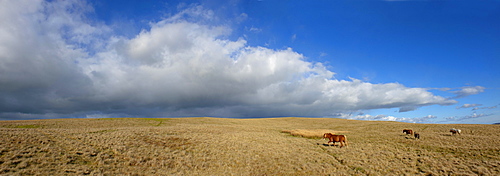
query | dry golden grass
[213, 146]
[311, 133]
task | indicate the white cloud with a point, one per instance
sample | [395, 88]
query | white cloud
[489, 107]
[323, 54]
[388, 118]
[472, 116]
[52, 67]
[242, 17]
[254, 29]
[468, 106]
[466, 91]
[193, 13]
[294, 37]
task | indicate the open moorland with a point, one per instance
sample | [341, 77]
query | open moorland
[215, 146]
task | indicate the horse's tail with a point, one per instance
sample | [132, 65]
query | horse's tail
[345, 140]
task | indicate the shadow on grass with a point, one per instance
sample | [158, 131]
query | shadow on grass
[407, 137]
[328, 145]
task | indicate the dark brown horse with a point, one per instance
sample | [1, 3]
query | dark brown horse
[417, 136]
[336, 138]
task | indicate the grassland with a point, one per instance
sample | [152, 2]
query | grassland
[213, 146]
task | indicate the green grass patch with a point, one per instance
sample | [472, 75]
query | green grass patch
[26, 126]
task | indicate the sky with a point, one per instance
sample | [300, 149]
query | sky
[419, 61]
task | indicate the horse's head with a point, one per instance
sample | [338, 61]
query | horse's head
[327, 135]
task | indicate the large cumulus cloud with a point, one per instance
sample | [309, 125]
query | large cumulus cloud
[55, 62]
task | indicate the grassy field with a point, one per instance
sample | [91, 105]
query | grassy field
[213, 146]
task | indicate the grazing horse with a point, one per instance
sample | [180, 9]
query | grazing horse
[417, 136]
[455, 131]
[407, 131]
[336, 138]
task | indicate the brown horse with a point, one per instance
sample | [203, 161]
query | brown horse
[407, 131]
[336, 138]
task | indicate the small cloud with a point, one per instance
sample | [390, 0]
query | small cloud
[441, 89]
[254, 29]
[323, 54]
[342, 115]
[294, 36]
[421, 119]
[468, 106]
[491, 107]
[192, 13]
[466, 91]
[242, 17]
[472, 116]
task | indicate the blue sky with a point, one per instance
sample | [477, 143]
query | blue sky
[411, 61]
